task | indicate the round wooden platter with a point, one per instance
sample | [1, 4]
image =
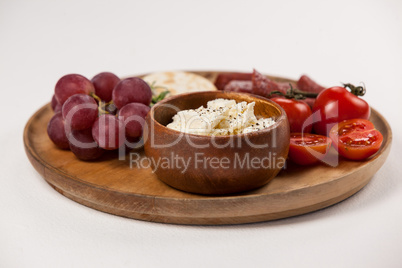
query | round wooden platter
[112, 186]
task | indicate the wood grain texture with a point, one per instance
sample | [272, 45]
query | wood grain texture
[110, 185]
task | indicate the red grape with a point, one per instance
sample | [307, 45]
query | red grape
[80, 111]
[57, 132]
[130, 90]
[83, 145]
[104, 84]
[108, 132]
[58, 108]
[133, 116]
[70, 85]
[133, 143]
[54, 103]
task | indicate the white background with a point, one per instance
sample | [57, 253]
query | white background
[336, 41]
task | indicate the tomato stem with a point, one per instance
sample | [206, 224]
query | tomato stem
[101, 104]
[293, 93]
[357, 91]
[306, 94]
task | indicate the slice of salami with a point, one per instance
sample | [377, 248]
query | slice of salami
[239, 86]
[306, 84]
[262, 85]
[285, 86]
[224, 78]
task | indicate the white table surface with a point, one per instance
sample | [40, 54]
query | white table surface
[340, 41]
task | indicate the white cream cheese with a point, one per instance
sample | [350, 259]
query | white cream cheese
[220, 117]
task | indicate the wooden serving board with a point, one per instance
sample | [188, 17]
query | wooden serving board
[110, 185]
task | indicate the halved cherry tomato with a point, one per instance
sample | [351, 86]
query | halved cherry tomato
[307, 149]
[298, 113]
[356, 139]
[334, 105]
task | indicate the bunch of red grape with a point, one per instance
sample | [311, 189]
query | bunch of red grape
[105, 113]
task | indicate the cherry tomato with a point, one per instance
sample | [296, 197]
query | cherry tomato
[307, 149]
[356, 139]
[334, 105]
[298, 113]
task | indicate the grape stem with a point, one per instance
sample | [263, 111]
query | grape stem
[93, 95]
[101, 104]
[101, 110]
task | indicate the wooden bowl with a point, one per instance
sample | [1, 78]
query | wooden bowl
[215, 164]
